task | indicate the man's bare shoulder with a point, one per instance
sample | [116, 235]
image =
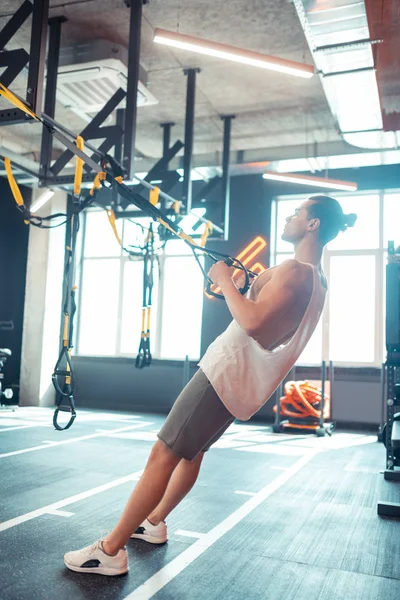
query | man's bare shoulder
[293, 273]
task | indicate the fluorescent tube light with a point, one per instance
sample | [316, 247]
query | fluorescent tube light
[41, 200]
[246, 57]
[323, 182]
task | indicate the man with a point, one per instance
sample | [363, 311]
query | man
[237, 375]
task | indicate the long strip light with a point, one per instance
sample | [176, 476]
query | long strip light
[246, 57]
[322, 182]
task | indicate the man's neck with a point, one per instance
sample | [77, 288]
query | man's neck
[308, 252]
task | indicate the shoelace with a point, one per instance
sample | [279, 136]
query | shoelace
[92, 548]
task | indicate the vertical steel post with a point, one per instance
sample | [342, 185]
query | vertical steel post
[166, 138]
[132, 87]
[50, 95]
[226, 173]
[189, 134]
[37, 54]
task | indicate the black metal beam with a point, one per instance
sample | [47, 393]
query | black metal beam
[37, 55]
[166, 138]
[225, 172]
[189, 133]
[132, 86]
[92, 130]
[21, 168]
[135, 214]
[14, 61]
[161, 164]
[114, 134]
[61, 180]
[118, 149]
[14, 116]
[50, 95]
[206, 189]
[12, 26]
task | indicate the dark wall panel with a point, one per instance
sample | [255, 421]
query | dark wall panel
[250, 216]
[13, 258]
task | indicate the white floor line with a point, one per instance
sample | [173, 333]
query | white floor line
[25, 427]
[279, 468]
[160, 579]
[192, 534]
[34, 514]
[72, 440]
[60, 513]
[245, 493]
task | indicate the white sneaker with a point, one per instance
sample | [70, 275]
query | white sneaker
[154, 534]
[93, 559]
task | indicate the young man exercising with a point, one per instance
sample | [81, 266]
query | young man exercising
[237, 375]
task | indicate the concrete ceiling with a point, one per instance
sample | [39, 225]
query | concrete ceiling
[273, 111]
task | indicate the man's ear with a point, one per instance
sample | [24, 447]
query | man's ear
[313, 224]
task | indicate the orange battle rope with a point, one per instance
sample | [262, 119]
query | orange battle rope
[301, 405]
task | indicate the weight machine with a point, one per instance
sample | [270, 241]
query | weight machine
[391, 430]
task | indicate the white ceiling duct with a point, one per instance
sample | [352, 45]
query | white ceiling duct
[339, 39]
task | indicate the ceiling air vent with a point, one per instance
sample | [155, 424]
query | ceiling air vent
[90, 73]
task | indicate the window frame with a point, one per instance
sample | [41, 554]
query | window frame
[123, 258]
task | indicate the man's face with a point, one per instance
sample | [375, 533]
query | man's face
[297, 224]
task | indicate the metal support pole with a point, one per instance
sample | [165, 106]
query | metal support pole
[383, 403]
[34, 92]
[331, 382]
[189, 131]
[225, 172]
[118, 150]
[323, 380]
[50, 96]
[276, 427]
[166, 138]
[132, 87]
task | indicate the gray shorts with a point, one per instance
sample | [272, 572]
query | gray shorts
[197, 419]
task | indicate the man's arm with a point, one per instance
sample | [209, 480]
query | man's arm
[275, 298]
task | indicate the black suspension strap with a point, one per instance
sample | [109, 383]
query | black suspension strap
[63, 377]
[143, 358]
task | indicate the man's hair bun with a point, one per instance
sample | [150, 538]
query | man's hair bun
[349, 221]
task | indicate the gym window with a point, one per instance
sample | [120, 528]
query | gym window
[111, 288]
[351, 331]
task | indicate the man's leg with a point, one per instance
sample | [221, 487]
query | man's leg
[145, 497]
[183, 479]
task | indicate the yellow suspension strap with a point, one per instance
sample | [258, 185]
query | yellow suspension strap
[101, 176]
[208, 229]
[113, 223]
[4, 91]
[79, 167]
[29, 218]
[154, 195]
[16, 192]
[143, 358]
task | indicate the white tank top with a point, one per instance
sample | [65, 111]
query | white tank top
[243, 373]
